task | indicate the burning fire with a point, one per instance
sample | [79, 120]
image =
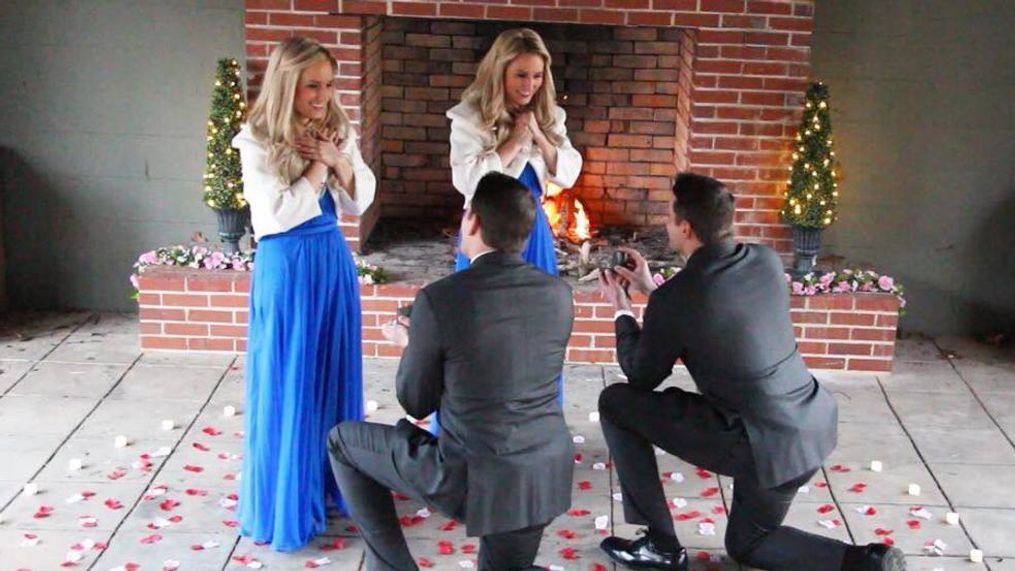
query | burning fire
[566, 214]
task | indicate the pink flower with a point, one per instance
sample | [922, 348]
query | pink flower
[886, 283]
[798, 288]
[658, 279]
[867, 287]
[789, 278]
[366, 280]
[214, 261]
[826, 280]
[134, 282]
[148, 258]
[239, 265]
[810, 290]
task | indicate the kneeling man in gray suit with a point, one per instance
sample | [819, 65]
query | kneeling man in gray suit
[485, 348]
[759, 416]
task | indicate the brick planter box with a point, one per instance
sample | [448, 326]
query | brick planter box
[182, 309]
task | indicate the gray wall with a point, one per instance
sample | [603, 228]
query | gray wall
[923, 99]
[103, 106]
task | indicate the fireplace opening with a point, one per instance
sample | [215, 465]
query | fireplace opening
[620, 86]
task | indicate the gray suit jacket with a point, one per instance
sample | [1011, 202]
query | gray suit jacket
[485, 348]
[726, 316]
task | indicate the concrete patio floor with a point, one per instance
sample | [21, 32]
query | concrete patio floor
[72, 382]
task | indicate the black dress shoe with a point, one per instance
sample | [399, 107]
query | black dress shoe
[644, 554]
[874, 557]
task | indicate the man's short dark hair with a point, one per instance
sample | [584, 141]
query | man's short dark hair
[706, 204]
[506, 211]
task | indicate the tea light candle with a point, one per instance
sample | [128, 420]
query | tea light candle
[976, 556]
[229, 411]
[120, 441]
[952, 518]
[372, 406]
[31, 489]
[593, 417]
[876, 466]
[75, 464]
[168, 424]
[914, 489]
[602, 522]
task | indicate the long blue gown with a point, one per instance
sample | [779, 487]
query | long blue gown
[304, 375]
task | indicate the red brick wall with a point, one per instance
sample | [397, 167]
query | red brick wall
[203, 310]
[750, 64]
[617, 84]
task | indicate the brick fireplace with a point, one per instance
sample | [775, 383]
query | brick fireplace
[650, 87]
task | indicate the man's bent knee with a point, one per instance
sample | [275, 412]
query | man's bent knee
[613, 398]
[336, 440]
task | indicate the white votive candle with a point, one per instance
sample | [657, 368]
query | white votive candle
[952, 518]
[593, 417]
[229, 411]
[976, 556]
[602, 522]
[120, 441]
[372, 406]
[168, 424]
[914, 489]
[876, 466]
[75, 464]
[31, 489]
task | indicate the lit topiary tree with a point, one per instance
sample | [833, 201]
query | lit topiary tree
[223, 183]
[811, 193]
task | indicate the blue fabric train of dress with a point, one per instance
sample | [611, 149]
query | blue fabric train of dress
[539, 251]
[304, 376]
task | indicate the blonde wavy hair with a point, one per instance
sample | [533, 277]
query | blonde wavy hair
[273, 118]
[486, 92]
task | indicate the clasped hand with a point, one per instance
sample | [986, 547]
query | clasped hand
[323, 147]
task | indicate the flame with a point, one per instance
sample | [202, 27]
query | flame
[566, 214]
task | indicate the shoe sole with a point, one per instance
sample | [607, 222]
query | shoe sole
[894, 560]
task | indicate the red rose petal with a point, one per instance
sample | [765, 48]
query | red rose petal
[201, 447]
[913, 523]
[585, 485]
[445, 547]
[578, 512]
[449, 525]
[703, 473]
[882, 531]
[424, 562]
[709, 492]
[826, 508]
[196, 492]
[192, 468]
[468, 548]
[566, 534]
[336, 544]
[168, 504]
[113, 504]
[211, 431]
[150, 539]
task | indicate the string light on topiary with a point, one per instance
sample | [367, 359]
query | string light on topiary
[810, 188]
[223, 189]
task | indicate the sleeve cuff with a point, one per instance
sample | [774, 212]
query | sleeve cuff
[622, 312]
